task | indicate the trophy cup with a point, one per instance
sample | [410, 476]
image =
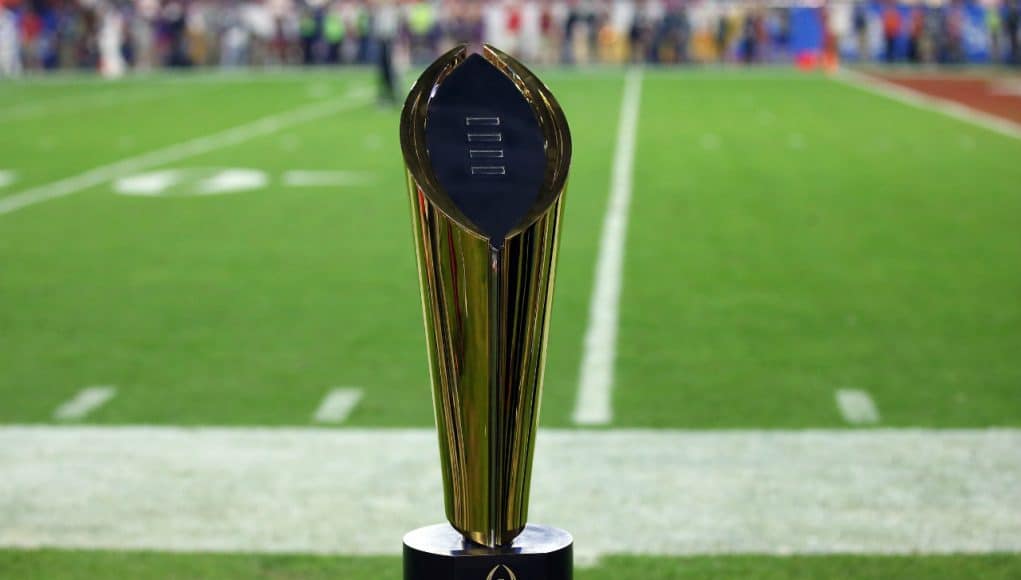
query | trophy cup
[487, 149]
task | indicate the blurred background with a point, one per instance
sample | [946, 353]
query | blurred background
[115, 36]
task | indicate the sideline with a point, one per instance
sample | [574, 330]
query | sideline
[654, 492]
[925, 102]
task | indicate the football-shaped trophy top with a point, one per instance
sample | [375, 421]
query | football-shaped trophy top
[486, 142]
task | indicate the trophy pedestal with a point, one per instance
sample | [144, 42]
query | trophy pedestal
[440, 553]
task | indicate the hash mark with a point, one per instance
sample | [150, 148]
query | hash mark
[857, 407]
[84, 402]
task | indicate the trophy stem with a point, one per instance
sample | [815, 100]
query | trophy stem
[496, 377]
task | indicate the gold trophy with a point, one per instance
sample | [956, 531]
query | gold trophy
[487, 150]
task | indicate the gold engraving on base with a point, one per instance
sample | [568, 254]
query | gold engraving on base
[486, 313]
[496, 569]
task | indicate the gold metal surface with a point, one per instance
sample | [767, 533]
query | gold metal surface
[486, 311]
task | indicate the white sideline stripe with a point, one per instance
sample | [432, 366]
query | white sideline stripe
[857, 407]
[594, 405]
[337, 405]
[919, 100]
[234, 136]
[357, 491]
[84, 402]
[1007, 88]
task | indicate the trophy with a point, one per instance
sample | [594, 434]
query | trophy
[487, 149]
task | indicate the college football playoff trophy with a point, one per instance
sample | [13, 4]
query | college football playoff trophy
[487, 150]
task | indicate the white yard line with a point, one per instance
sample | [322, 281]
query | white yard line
[919, 100]
[338, 405]
[180, 151]
[84, 402]
[595, 385]
[856, 407]
[307, 178]
[357, 491]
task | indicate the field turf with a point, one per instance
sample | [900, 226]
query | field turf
[789, 236]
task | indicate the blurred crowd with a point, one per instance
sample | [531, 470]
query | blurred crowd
[114, 36]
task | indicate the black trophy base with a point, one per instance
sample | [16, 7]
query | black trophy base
[440, 553]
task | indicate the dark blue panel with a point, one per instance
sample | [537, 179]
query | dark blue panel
[485, 146]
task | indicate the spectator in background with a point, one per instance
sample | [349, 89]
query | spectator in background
[571, 24]
[860, 25]
[777, 24]
[464, 25]
[111, 41]
[891, 31]
[994, 28]
[750, 38]
[333, 34]
[676, 33]
[10, 57]
[722, 36]
[512, 28]
[310, 31]
[385, 25]
[1012, 26]
[421, 24]
[235, 38]
[639, 35]
[549, 48]
[830, 53]
[954, 19]
[30, 26]
[175, 24]
[197, 33]
[916, 28]
[141, 34]
[932, 34]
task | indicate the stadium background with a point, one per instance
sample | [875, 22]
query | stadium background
[144, 34]
[785, 333]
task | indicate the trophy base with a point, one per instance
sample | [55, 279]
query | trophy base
[441, 553]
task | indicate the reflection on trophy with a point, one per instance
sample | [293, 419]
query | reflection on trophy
[487, 150]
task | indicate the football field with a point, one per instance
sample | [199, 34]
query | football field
[785, 337]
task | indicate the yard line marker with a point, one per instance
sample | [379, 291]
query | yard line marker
[925, 102]
[301, 178]
[267, 125]
[86, 401]
[337, 405]
[595, 385]
[857, 407]
[662, 492]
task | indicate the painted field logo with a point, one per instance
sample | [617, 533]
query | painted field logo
[501, 572]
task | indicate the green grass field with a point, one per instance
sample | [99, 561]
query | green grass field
[789, 236]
